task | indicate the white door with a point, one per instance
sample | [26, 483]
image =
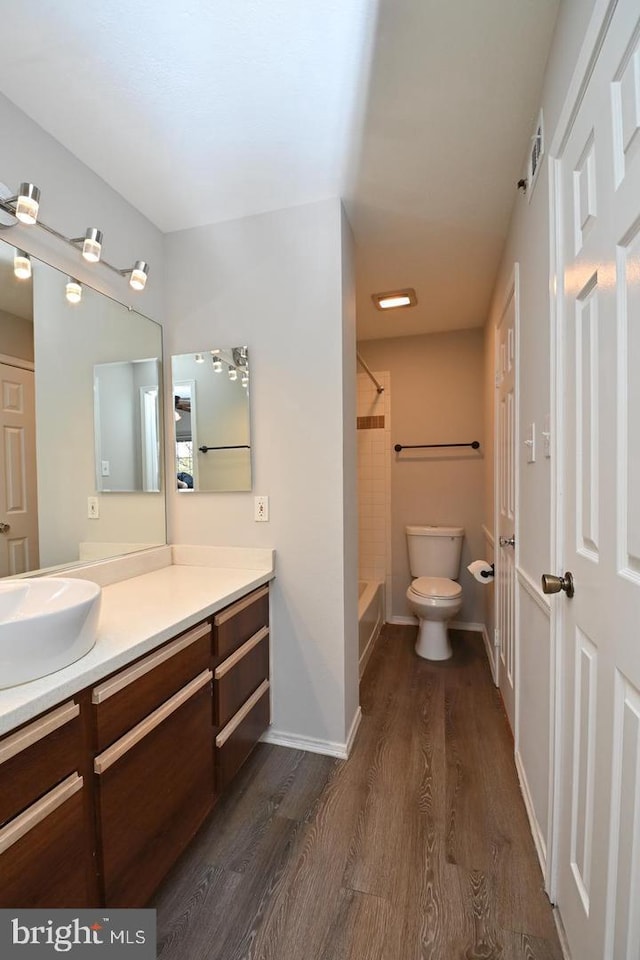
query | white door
[597, 178]
[506, 499]
[18, 500]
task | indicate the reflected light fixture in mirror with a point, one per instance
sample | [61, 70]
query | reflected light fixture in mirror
[21, 265]
[73, 291]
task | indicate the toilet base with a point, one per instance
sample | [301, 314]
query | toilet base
[433, 640]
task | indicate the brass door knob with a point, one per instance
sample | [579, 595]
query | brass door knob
[552, 584]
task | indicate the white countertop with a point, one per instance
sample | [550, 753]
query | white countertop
[136, 615]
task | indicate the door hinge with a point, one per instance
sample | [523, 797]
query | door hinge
[496, 637]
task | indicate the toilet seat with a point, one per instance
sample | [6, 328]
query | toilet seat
[436, 588]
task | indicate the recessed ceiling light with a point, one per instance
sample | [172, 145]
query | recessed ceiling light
[395, 298]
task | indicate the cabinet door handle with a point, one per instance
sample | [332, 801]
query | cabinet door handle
[37, 812]
[123, 679]
[241, 652]
[137, 733]
[235, 608]
[37, 730]
[238, 717]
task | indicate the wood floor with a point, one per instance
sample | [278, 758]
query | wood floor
[416, 848]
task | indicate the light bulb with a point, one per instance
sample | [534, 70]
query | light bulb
[233, 373]
[27, 203]
[199, 358]
[244, 380]
[73, 291]
[217, 365]
[92, 245]
[22, 265]
[139, 275]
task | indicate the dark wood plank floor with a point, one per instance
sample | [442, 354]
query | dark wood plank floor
[416, 848]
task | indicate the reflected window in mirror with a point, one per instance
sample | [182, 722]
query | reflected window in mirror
[212, 420]
[49, 350]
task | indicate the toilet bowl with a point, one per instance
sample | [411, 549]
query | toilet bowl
[434, 601]
[434, 597]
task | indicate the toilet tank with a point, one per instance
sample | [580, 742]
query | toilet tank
[434, 551]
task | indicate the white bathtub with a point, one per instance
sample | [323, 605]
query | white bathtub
[370, 617]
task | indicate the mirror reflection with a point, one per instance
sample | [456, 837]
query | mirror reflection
[212, 420]
[127, 425]
[52, 508]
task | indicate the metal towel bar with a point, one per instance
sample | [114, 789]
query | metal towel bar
[475, 444]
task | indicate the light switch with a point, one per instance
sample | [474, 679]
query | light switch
[93, 508]
[106, 468]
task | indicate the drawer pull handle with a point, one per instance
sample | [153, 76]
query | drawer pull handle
[238, 717]
[26, 737]
[123, 679]
[37, 812]
[140, 731]
[241, 652]
[235, 608]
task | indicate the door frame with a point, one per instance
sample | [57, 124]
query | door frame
[511, 289]
[596, 32]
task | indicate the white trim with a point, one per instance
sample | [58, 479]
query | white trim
[491, 652]
[17, 362]
[465, 625]
[403, 621]
[531, 588]
[488, 536]
[355, 726]
[562, 934]
[328, 748]
[536, 829]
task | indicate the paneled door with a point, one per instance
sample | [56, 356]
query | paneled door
[506, 426]
[18, 492]
[597, 180]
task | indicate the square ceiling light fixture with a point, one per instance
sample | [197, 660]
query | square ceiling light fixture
[394, 299]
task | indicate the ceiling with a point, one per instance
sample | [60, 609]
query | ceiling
[417, 112]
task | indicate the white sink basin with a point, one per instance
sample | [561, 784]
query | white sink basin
[45, 624]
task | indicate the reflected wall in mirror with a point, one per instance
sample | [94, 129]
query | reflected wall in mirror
[48, 351]
[127, 425]
[212, 420]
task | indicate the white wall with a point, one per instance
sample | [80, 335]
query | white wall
[281, 283]
[16, 336]
[528, 244]
[374, 481]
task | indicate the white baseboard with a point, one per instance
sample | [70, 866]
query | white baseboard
[462, 625]
[562, 935]
[404, 621]
[328, 748]
[536, 831]
[492, 655]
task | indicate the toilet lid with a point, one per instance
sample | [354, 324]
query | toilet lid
[436, 587]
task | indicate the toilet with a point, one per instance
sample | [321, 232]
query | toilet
[434, 597]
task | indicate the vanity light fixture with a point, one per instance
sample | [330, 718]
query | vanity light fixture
[217, 365]
[24, 206]
[199, 358]
[138, 274]
[73, 291]
[395, 298]
[233, 373]
[21, 264]
[91, 244]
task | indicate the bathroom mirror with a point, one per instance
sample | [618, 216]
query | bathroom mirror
[212, 420]
[127, 425]
[51, 492]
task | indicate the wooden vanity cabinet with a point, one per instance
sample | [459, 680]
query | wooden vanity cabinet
[241, 694]
[154, 778]
[46, 833]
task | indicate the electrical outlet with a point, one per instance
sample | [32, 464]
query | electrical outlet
[261, 509]
[106, 468]
[93, 508]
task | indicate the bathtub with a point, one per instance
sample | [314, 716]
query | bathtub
[370, 617]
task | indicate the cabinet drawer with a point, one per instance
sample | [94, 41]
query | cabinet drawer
[154, 789]
[38, 756]
[234, 625]
[128, 696]
[236, 740]
[44, 858]
[239, 675]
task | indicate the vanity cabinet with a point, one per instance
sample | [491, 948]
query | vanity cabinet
[46, 836]
[154, 772]
[241, 685]
[99, 796]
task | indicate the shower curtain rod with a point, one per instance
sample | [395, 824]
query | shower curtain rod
[379, 386]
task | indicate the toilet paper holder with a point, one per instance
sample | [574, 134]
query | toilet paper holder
[489, 573]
